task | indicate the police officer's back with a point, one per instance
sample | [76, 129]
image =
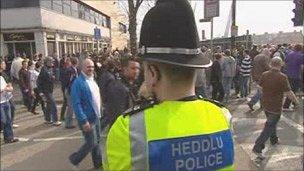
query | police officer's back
[177, 131]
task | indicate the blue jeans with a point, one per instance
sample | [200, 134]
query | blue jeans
[69, 113]
[51, 109]
[244, 86]
[92, 139]
[6, 120]
[27, 99]
[269, 131]
[257, 96]
[227, 83]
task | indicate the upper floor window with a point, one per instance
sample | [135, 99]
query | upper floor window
[122, 28]
[74, 9]
[66, 6]
[57, 5]
[19, 3]
[108, 22]
[46, 4]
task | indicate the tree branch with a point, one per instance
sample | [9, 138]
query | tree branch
[138, 3]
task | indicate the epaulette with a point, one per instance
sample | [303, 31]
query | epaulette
[138, 108]
[217, 103]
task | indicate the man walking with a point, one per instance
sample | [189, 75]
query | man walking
[87, 104]
[120, 94]
[245, 74]
[45, 83]
[228, 72]
[294, 61]
[260, 64]
[24, 84]
[274, 85]
[72, 73]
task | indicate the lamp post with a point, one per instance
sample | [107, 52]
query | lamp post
[233, 25]
[211, 35]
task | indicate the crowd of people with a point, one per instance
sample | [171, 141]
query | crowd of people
[119, 77]
[37, 76]
[240, 69]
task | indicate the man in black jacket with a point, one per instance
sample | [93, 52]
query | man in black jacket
[216, 79]
[118, 94]
[45, 83]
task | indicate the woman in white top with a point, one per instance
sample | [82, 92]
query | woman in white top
[5, 109]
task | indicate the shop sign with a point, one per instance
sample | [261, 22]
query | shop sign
[18, 36]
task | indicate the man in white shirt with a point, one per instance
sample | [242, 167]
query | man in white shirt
[16, 66]
[86, 103]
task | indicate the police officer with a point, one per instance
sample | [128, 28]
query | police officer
[179, 131]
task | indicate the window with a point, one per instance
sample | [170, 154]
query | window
[100, 18]
[87, 14]
[92, 16]
[74, 7]
[57, 5]
[108, 22]
[96, 18]
[46, 4]
[19, 3]
[122, 28]
[81, 11]
[66, 7]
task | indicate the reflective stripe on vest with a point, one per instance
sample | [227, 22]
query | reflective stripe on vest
[138, 140]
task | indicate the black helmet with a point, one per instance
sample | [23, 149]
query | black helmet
[169, 35]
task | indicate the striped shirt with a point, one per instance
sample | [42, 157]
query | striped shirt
[246, 66]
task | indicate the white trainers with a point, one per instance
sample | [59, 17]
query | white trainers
[15, 126]
[75, 167]
[58, 123]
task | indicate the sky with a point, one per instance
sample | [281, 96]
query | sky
[257, 16]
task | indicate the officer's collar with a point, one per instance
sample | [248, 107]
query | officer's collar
[188, 98]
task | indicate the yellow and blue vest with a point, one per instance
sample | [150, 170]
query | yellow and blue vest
[172, 135]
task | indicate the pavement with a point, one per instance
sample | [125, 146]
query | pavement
[45, 147]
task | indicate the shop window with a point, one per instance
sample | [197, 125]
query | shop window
[23, 48]
[61, 49]
[33, 48]
[51, 48]
[10, 50]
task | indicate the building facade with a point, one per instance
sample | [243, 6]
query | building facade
[55, 27]
[295, 37]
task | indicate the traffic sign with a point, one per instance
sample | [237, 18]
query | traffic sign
[97, 33]
[211, 8]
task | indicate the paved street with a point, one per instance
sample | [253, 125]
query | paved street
[44, 147]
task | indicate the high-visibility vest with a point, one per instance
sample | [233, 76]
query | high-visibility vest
[172, 135]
